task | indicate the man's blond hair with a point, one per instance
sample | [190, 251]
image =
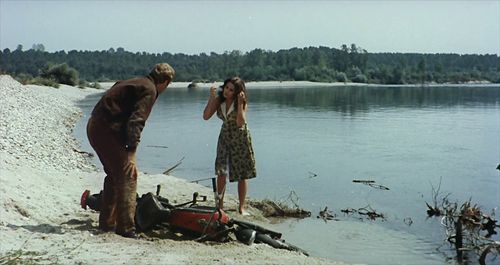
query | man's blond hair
[162, 72]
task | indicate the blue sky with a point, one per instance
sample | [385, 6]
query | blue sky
[193, 27]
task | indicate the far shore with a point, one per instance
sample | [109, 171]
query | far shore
[289, 84]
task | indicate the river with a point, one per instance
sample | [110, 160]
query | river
[312, 142]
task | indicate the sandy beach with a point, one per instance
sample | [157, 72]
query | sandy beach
[42, 175]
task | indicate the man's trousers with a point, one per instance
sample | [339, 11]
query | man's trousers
[120, 185]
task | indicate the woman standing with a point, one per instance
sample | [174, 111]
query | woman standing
[235, 156]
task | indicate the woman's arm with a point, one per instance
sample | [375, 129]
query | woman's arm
[241, 118]
[212, 104]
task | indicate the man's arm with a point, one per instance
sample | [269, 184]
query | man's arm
[137, 120]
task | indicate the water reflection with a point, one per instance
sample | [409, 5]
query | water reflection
[351, 100]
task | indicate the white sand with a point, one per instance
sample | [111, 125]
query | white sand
[42, 178]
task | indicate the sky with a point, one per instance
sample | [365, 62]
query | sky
[194, 27]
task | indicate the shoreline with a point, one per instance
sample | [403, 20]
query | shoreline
[309, 84]
[42, 178]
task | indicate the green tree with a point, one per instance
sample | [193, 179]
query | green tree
[422, 70]
[61, 73]
[310, 63]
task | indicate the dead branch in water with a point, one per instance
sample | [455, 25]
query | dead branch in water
[435, 210]
[494, 248]
[167, 172]
[157, 146]
[349, 211]
[272, 209]
[365, 211]
[467, 228]
[281, 209]
[363, 181]
[326, 215]
[293, 198]
[370, 212]
[371, 183]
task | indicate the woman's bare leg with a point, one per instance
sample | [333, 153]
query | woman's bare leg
[242, 193]
[221, 188]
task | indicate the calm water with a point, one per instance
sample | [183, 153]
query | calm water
[313, 142]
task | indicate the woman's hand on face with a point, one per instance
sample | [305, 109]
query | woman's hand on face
[213, 91]
[241, 98]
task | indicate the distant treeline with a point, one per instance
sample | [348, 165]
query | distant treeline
[319, 64]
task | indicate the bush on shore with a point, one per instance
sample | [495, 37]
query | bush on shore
[53, 75]
[27, 79]
[41, 81]
[61, 73]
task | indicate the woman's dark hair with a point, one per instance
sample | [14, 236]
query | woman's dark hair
[221, 92]
[239, 85]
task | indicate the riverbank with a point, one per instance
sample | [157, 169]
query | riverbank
[42, 175]
[291, 84]
[252, 85]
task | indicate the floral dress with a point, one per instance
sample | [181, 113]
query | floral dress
[234, 148]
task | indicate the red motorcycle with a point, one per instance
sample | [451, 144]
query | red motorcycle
[189, 218]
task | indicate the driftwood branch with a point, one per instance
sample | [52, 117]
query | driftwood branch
[157, 146]
[167, 172]
[467, 228]
[272, 209]
[370, 212]
[365, 211]
[371, 183]
[326, 215]
[83, 152]
[363, 181]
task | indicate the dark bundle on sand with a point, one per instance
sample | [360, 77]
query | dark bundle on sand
[273, 209]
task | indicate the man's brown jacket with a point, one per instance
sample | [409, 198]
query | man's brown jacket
[126, 107]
